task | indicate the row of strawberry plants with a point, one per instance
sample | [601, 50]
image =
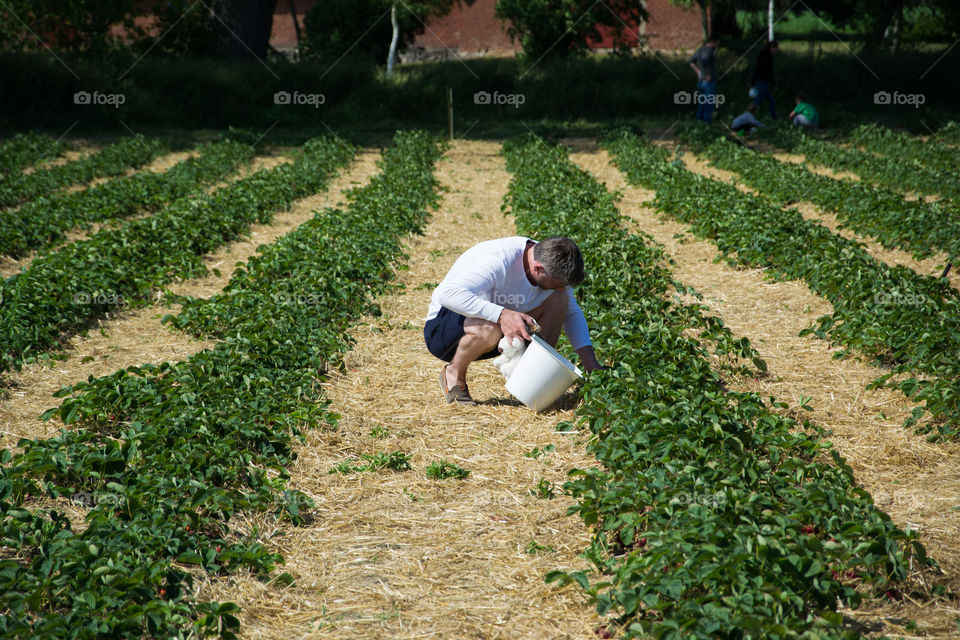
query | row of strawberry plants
[109, 161]
[904, 147]
[920, 227]
[25, 150]
[713, 516]
[890, 172]
[166, 455]
[906, 321]
[64, 291]
[949, 133]
[45, 220]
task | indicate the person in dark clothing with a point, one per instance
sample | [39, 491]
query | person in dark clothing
[763, 80]
[704, 63]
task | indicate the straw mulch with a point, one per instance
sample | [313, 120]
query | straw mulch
[64, 158]
[836, 174]
[397, 555]
[928, 266]
[134, 337]
[916, 482]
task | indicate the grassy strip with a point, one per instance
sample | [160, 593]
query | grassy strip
[44, 221]
[713, 516]
[890, 172]
[25, 150]
[904, 147]
[64, 291]
[905, 320]
[916, 226]
[109, 161]
[165, 455]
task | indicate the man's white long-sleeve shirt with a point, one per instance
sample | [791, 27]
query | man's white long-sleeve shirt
[489, 278]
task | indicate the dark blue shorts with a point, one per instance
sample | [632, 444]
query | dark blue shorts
[443, 332]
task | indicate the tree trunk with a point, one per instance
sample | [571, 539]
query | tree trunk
[770, 37]
[704, 18]
[243, 27]
[296, 23]
[393, 39]
[885, 13]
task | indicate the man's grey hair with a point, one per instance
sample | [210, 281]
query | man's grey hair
[561, 258]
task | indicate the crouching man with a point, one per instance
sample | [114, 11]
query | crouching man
[502, 288]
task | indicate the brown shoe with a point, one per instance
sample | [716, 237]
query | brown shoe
[458, 394]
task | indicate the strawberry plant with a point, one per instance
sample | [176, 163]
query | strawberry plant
[920, 227]
[949, 133]
[396, 460]
[887, 171]
[908, 323]
[25, 150]
[43, 221]
[441, 470]
[63, 291]
[903, 147]
[109, 161]
[712, 515]
[164, 456]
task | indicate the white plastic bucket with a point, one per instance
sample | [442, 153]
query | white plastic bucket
[541, 376]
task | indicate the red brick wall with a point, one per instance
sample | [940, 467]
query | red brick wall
[283, 36]
[670, 27]
[473, 29]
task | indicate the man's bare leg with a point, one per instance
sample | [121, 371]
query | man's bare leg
[479, 337]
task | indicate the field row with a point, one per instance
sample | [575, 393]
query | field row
[907, 321]
[167, 455]
[684, 544]
[770, 544]
[64, 291]
[112, 160]
[45, 220]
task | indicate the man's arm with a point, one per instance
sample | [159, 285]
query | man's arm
[575, 326]
[460, 291]
[694, 62]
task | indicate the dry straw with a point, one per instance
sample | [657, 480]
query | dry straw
[395, 554]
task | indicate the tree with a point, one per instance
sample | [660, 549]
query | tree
[719, 17]
[363, 27]
[243, 27]
[62, 24]
[883, 23]
[559, 28]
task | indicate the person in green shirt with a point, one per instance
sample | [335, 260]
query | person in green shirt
[804, 114]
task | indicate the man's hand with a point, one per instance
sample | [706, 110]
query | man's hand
[513, 324]
[588, 358]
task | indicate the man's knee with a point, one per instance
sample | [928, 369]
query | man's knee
[488, 332]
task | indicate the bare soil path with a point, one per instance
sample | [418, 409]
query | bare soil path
[395, 554]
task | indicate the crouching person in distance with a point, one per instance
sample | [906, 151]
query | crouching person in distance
[501, 288]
